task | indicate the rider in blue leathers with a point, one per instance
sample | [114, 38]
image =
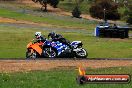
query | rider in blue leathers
[57, 37]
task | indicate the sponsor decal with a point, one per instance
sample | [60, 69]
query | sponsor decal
[101, 78]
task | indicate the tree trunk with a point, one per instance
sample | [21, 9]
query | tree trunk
[44, 7]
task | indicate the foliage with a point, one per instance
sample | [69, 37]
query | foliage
[76, 12]
[44, 3]
[104, 9]
[129, 13]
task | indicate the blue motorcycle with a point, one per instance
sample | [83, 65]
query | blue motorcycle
[53, 49]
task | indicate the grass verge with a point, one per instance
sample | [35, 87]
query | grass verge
[59, 78]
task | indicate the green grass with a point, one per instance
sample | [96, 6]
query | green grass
[69, 6]
[48, 20]
[59, 78]
[13, 43]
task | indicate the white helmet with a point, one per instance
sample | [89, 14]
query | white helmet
[38, 34]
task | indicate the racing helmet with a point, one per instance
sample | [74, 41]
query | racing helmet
[37, 34]
[52, 34]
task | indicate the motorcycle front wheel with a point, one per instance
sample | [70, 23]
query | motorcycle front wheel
[30, 55]
[81, 53]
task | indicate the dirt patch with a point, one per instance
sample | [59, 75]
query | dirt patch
[28, 65]
[8, 20]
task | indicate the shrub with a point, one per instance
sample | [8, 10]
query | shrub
[129, 17]
[111, 12]
[76, 12]
[44, 3]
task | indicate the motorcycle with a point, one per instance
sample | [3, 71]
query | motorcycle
[34, 50]
[51, 49]
[57, 49]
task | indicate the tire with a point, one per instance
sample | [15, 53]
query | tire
[49, 52]
[27, 55]
[30, 55]
[82, 53]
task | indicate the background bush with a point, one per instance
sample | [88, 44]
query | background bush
[111, 12]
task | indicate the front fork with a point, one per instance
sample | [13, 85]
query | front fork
[31, 53]
[77, 49]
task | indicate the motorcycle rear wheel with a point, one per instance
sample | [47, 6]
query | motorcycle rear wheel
[49, 52]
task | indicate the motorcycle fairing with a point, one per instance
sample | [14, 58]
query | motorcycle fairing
[37, 48]
[58, 46]
[76, 43]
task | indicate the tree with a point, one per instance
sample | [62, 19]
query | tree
[76, 12]
[129, 15]
[44, 3]
[104, 9]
